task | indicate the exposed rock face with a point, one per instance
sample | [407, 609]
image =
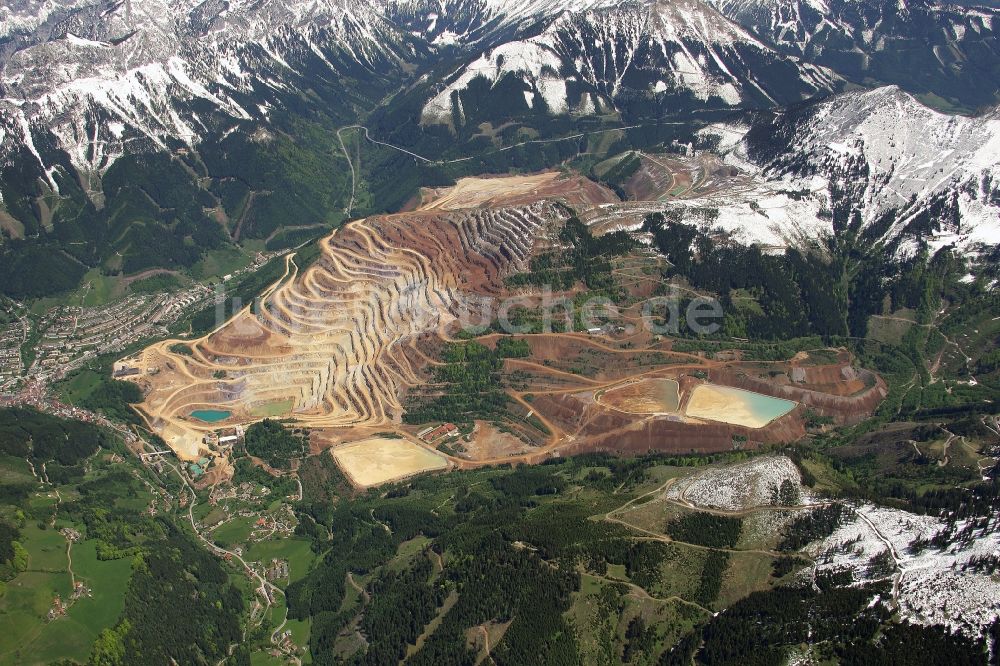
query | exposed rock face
[899, 173]
[679, 55]
[919, 44]
[110, 78]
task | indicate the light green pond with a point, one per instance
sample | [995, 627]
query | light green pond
[736, 406]
[210, 415]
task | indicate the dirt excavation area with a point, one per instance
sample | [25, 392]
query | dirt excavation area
[371, 462]
[377, 329]
[646, 396]
[513, 190]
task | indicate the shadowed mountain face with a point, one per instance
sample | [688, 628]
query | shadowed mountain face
[941, 52]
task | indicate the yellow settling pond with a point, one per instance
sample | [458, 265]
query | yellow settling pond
[371, 462]
[735, 406]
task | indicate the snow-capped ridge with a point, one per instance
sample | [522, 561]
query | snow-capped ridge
[885, 153]
[656, 48]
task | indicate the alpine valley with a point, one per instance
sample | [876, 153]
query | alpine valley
[372, 331]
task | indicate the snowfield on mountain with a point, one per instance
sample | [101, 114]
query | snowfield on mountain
[912, 174]
[934, 584]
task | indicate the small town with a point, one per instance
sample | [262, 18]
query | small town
[13, 334]
[49, 347]
[69, 336]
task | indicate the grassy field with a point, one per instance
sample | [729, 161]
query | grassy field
[264, 659]
[98, 289]
[596, 628]
[300, 631]
[407, 551]
[762, 530]
[234, 532]
[352, 598]
[617, 571]
[14, 470]
[23, 612]
[79, 386]
[46, 548]
[680, 572]
[297, 551]
[271, 409]
[600, 628]
[889, 331]
[137, 503]
[72, 637]
[210, 515]
[747, 572]
[30, 637]
[219, 263]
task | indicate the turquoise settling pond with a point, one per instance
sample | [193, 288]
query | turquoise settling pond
[736, 406]
[210, 415]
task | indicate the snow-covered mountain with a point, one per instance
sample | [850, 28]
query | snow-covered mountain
[899, 173]
[921, 45]
[217, 117]
[680, 54]
[479, 22]
[100, 79]
[95, 77]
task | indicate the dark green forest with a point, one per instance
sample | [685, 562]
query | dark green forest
[468, 385]
[45, 439]
[275, 444]
[514, 546]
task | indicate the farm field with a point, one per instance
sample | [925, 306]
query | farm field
[23, 609]
[235, 531]
[297, 551]
[378, 460]
[36, 640]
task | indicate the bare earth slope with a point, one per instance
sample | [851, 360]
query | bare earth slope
[337, 340]
[338, 348]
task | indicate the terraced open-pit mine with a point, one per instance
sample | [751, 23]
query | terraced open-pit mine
[340, 348]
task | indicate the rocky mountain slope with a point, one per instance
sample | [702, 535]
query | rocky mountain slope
[899, 173]
[673, 55]
[940, 50]
[94, 78]
[127, 125]
[103, 75]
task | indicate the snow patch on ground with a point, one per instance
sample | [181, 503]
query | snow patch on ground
[531, 59]
[932, 587]
[446, 38]
[912, 154]
[727, 135]
[743, 485]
